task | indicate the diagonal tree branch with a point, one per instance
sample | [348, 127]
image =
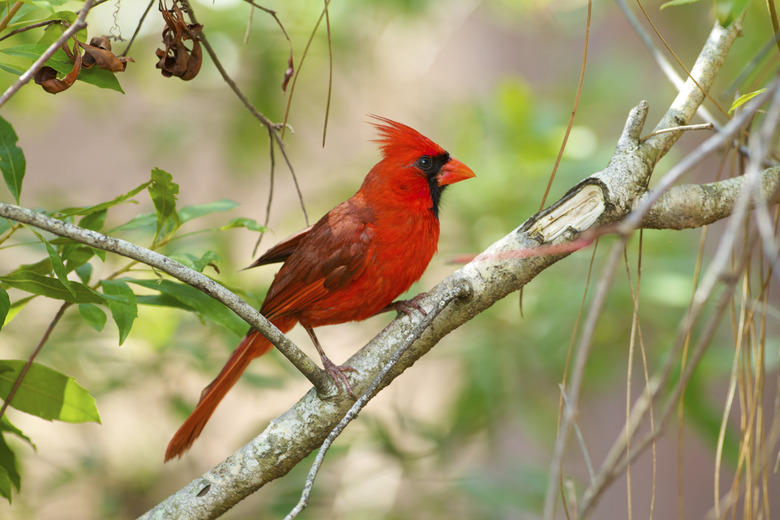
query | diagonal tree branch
[189, 276]
[78, 25]
[695, 205]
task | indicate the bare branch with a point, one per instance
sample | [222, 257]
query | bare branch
[189, 276]
[703, 74]
[695, 205]
[273, 128]
[458, 292]
[78, 25]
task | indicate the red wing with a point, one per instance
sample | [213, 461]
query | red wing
[334, 253]
[281, 251]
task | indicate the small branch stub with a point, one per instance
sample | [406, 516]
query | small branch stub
[577, 211]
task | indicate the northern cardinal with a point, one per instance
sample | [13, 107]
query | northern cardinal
[351, 264]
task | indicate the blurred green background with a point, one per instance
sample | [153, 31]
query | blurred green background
[468, 432]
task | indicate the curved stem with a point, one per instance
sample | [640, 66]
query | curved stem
[189, 276]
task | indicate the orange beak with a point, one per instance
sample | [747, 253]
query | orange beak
[454, 171]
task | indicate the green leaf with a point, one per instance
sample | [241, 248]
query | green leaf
[84, 271]
[16, 308]
[94, 220]
[93, 315]
[163, 192]
[191, 212]
[42, 267]
[6, 426]
[162, 300]
[13, 69]
[5, 484]
[198, 264]
[75, 256]
[88, 210]
[9, 464]
[100, 253]
[62, 64]
[5, 305]
[35, 283]
[145, 220]
[101, 78]
[204, 305]
[728, 11]
[56, 263]
[242, 222]
[68, 16]
[32, 51]
[12, 161]
[744, 98]
[677, 2]
[47, 393]
[124, 314]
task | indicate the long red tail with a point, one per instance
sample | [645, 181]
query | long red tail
[253, 345]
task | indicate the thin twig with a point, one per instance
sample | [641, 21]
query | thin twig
[702, 126]
[578, 374]
[78, 25]
[695, 90]
[629, 369]
[249, 25]
[302, 362]
[580, 437]
[717, 272]
[704, 150]
[666, 67]
[751, 66]
[703, 90]
[29, 27]
[683, 362]
[330, 73]
[11, 12]
[613, 465]
[459, 291]
[760, 148]
[773, 19]
[138, 27]
[298, 71]
[574, 108]
[271, 177]
[32, 357]
[273, 14]
[272, 127]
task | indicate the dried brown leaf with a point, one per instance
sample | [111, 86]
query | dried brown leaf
[176, 59]
[46, 77]
[194, 62]
[103, 58]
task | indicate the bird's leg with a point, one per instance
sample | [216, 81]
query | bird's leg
[407, 306]
[335, 371]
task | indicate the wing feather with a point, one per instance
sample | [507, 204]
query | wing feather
[332, 254]
[281, 251]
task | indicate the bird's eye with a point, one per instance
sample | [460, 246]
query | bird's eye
[424, 163]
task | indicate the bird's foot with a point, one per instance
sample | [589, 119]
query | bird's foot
[407, 306]
[337, 372]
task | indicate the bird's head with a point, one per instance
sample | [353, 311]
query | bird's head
[416, 163]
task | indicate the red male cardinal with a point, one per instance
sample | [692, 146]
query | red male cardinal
[351, 264]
